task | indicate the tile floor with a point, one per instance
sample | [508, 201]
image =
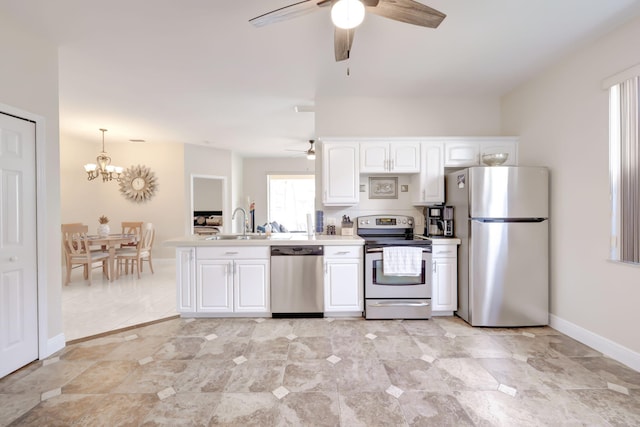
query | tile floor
[106, 306]
[313, 372]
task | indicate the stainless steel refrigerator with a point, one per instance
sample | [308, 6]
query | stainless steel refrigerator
[501, 216]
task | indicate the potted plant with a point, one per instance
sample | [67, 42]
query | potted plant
[103, 228]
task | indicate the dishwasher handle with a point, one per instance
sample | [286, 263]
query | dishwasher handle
[303, 250]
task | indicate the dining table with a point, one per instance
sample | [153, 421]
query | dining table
[111, 242]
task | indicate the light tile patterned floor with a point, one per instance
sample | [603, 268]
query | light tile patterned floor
[106, 306]
[317, 372]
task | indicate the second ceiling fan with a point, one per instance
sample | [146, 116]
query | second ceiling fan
[348, 14]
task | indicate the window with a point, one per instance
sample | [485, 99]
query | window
[291, 198]
[624, 169]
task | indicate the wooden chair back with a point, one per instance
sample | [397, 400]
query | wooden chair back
[148, 236]
[132, 227]
[74, 239]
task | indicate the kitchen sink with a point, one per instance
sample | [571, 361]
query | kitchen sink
[237, 237]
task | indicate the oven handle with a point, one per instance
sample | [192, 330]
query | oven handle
[399, 304]
[377, 250]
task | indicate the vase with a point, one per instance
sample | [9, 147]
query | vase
[103, 230]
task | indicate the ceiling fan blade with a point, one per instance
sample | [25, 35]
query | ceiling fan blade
[288, 12]
[408, 11]
[342, 41]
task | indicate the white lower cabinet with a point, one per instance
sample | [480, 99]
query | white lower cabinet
[224, 280]
[214, 286]
[251, 286]
[186, 276]
[444, 294]
[343, 282]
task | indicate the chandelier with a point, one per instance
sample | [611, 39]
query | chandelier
[103, 167]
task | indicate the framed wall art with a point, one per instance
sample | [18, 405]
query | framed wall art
[383, 187]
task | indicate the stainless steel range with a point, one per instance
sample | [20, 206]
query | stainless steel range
[394, 296]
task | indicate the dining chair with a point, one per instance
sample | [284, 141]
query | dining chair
[135, 228]
[132, 227]
[77, 250]
[138, 254]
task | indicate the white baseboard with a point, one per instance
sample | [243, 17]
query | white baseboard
[54, 345]
[603, 345]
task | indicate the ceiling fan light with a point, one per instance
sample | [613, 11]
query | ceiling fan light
[311, 155]
[347, 14]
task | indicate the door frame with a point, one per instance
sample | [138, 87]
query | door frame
[41, 230]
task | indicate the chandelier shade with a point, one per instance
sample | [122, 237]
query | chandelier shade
[103, 166]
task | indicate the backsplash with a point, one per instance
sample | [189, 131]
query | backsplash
[367, 206]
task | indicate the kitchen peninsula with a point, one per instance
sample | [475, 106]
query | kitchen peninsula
[229, 275]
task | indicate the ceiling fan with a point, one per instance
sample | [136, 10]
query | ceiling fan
[310, 153]
[348, 14]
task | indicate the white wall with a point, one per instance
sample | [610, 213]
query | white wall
[561, 117]
[255, 178]
[207, 194]
[29, 82]
[84, 201]
[382, 117]
[200, 160]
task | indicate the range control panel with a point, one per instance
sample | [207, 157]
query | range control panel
[385, 221]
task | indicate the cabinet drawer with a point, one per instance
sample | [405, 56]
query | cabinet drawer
[343, 251]
[233, 252]
[445, 251]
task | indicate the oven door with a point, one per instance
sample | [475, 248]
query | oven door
[377, 285]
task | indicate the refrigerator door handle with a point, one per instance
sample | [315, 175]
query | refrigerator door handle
[502, 220]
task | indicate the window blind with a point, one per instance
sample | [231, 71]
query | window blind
[625, 170]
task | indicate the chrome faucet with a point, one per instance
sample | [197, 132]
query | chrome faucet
[244, 220]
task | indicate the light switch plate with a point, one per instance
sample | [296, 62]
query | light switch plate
[363, 188]
[404, 188]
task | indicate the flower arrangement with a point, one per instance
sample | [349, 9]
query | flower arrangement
[103, 228]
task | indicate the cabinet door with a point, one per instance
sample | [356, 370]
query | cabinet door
[509, 147]
[251, 286]
[343, 285]
[445, 277]
[405, 157]
[215, 286]
[429, 184]
[340, 174]
[374, 157]
[461, 153]
[186, 275]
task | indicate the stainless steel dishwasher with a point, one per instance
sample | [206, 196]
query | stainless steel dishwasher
[297, 278]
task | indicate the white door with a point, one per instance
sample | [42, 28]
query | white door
[343, 285]
[18, 268]
[405, 157]
[251, 286]
[214, 286]
[186, 274]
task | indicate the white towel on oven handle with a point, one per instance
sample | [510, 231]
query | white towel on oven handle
[401, 261]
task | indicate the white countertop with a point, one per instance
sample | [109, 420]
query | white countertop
[284, 239]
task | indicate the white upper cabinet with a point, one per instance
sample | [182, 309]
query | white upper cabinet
[468, 151]
[389, 157]
[461, 153]
[509, 146]
[428, 185]
[340, 173]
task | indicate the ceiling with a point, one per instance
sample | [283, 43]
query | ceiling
[195, 71]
